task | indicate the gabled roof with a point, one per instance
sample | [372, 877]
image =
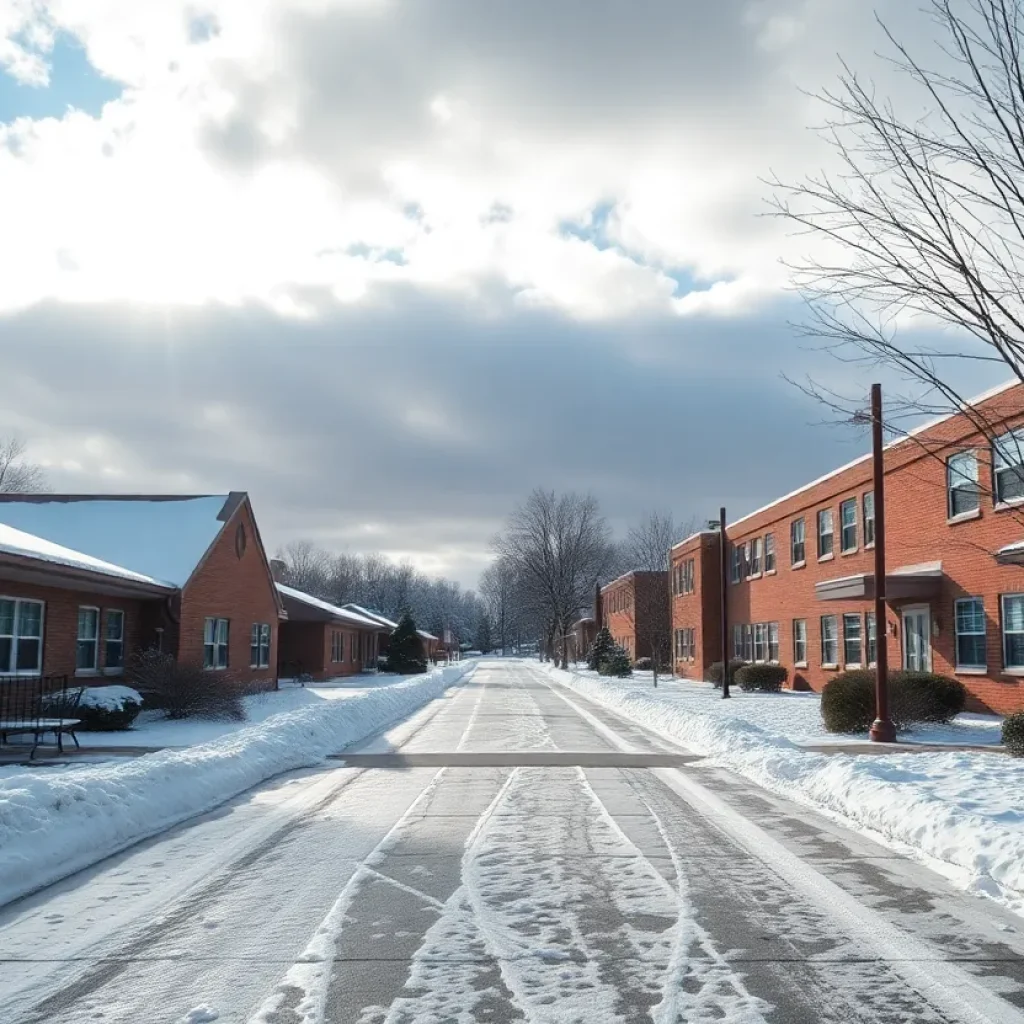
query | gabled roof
[367, 614]
[17, 542]
[163, 537]
[343, 614]
[425, 635]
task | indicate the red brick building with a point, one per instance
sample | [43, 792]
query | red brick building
[325, 640]
[89, 581]
[635, 608]
[801, 573]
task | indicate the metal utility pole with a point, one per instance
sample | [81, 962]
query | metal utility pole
[882, 729]
[725, 603]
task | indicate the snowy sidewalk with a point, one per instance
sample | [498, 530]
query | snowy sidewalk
[53, 823]
[961, 812]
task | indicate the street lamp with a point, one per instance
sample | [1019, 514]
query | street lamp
[882, 729]
[725, 603]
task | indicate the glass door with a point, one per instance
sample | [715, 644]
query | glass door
[917, 647]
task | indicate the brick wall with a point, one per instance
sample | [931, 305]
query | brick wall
[919, 531]
[60, 624]
[636, 612]
[699, 610]
[239, 589]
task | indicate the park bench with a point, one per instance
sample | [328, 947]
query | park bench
[36, 707]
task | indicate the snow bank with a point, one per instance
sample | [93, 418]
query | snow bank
[964, 810]
[55, 823]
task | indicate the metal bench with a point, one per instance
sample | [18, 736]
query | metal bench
[37, 706]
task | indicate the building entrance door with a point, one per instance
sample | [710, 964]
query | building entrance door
[917, 638]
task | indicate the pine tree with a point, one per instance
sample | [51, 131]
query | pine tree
[484, 644]
[601, 649]
[618, 664]
[405, 649]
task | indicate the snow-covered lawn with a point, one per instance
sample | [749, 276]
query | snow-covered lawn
[797, 716]
[56, 822]
[153, 729]
[961, 811]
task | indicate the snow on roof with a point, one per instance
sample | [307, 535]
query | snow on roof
[426, 636]
[326, 606]
[367, 614]
[694, 536]
[895, 443]
[920, 569]
[163, 537]
[1007, 549]
[17, 542]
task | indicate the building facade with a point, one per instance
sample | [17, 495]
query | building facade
[801, 573]
[635, 608]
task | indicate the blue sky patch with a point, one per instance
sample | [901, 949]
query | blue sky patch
[74, 82]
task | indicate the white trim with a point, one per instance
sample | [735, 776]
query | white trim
[116, 670]
[94, 668]
[25, 672]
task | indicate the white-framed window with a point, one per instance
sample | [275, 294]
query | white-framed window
[259, 645]
[829, 640]
[773, 641]
[852, 640]
[800, 641]
[689, 577]
[21, 636]
[769, 552]
[677, 644]
[1008, 466]
[1013, 630]
[336, 647]
[215, 643]
[869, 518]
[113, 641]
[737, 641]
[88, 650]
[848, 525]
[969, 620]
[797, 545]
[353, 650]
[760, 641]
[748, 642]
[737, 563]
[755, 556]
[826, 533]
[871, 635]
[962, 489]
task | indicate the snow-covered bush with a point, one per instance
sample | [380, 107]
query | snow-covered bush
[643, 664]
[715, 671]
[108, 708]
[848, 701]
[1013, 734]
[763, 678]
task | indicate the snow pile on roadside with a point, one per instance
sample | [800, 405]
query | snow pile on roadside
[964, 810]
[55, 823]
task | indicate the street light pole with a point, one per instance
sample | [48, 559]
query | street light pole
[725, 603]
[882, 729]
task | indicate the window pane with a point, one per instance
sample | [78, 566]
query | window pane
[6, 618]
[209, 661]
[1008, 450]
[970, 615]
[30, 619]
[970, 650]
[1014, 650]
[113, 655]
[28, 658]
[210, 631]
[6, 650]
[848, 517]
[115, 625]
[88, 623]
[222, 656]
[851, 639]
[222, 631]
[1013, 613]
[870, 632]
[86, 658]
[1010, 484]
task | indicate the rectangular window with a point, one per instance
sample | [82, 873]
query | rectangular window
[962, 483]
[773, 641]
[872, 637]
[259, 645]
[693, 644]
[760, 641]
[869, 519]
[737, 641]
[21, 636]
[113, 645]
[690, 584]
[748, 643]
[677, 643]
[86, 660]
[826, 535]
[336, 654]
[1013, 630]
[848, 524]
[215, 643]
[737, 563]
[769, 552]
[1008, 466]
[829, 640]
[852, 640]
[800, 641]
[797, 547]
[755, 557]
[969, 615]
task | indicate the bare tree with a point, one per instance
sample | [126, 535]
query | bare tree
[924, 221]
[498, 587]
[650, 541]
[307, 568]
[18, 474]
[559, 547]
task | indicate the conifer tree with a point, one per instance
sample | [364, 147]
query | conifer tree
[617, 664]
[405, 649]
[601, 649]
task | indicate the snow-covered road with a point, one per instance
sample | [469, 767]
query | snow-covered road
[513, 851]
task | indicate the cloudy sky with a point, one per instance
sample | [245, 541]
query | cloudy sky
[389, 264]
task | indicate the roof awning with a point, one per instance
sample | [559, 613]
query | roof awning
[909, 582]
[1011, 554]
